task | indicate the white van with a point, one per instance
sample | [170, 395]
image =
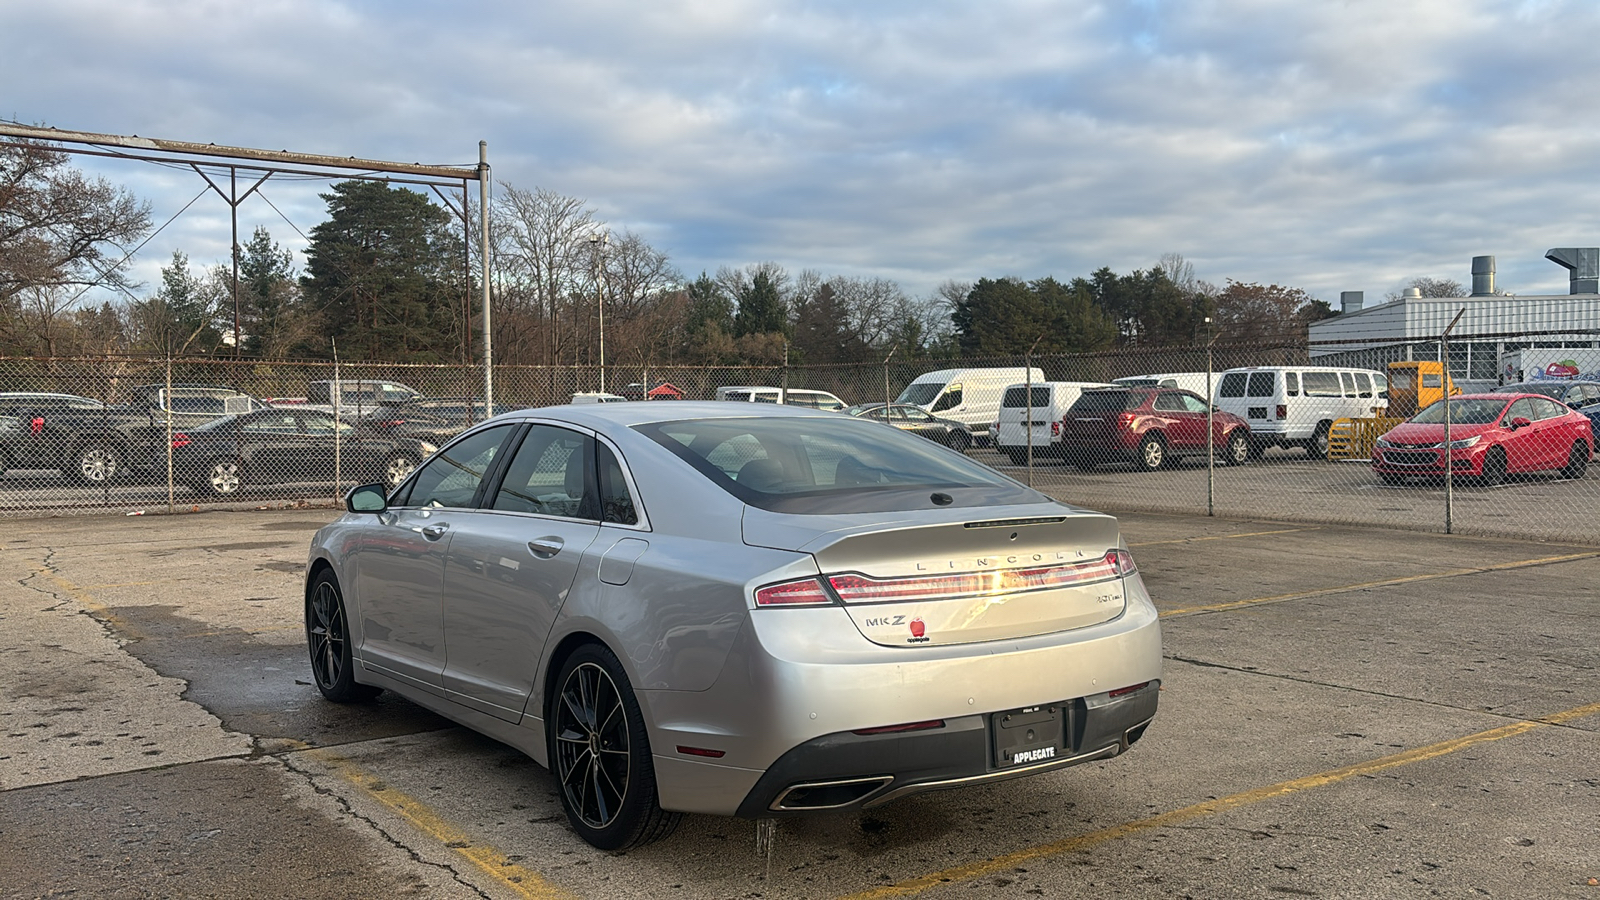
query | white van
[1193, 382]
[968, 396]
[1049, 403]
[597, 397]
[796, 396]
[1293, 406]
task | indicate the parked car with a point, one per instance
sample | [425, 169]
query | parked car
[1044, 408]
[792, 396]
[281, 446]
[752, 610]
[1193, 382]
[969, 396]
[1491, 436]
[94, 442]
[357, 397]
[597, 397]
[1152, 427]
[1583, 396]
[432, 419]
[22, 418]
[1296, 406]
[917, 421]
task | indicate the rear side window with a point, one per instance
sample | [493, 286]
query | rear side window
[1107, 401]
[1349, 380]
[1291, 384]
[1232, 385]
[1322, 384]
[1262, 384]
[1363, 385]
[1170, 402]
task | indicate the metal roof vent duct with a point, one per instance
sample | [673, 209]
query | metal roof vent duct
[1584, 263]
[1350, 301]
[1411, 294]
[1483, 276]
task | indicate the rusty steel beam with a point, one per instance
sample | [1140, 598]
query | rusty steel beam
[456, 173]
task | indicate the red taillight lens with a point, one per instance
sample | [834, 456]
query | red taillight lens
[806, 592]
[180, 440]
[701, 751]
[897, 729]
[863, 589]
[1125, 420]
[37, 425]
[1283, 411]
[1055, 429]
[1121, 562]
[1123, 692]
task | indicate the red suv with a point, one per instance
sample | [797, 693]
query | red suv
[1151, 427]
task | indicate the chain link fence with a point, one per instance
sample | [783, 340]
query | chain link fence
[130, 435]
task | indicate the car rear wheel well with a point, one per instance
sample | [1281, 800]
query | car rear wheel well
[317, 568]
[558, 658]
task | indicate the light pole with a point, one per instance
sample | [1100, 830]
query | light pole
[600, 242]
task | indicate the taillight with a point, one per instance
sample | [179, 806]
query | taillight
[180, 440]
[863, 589]
[1126, 419]
[806, 592]
[1123, 692]
[1055, 429]
[1121, 561]
[37, 425]
[1283, 411]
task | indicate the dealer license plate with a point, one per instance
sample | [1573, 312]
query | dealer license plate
[1032, 734]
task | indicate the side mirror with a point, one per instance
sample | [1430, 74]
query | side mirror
[366, 498]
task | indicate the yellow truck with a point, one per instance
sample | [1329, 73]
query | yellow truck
[1413, 386]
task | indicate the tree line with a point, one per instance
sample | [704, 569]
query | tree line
[389, 275]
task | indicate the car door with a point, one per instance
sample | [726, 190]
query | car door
[400, 560]
[331, 447]
[1182, 430]
[1521, 444]
[1552, 432]
[270, 443]
[511, 565]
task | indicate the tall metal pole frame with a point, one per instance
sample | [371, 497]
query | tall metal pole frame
[601, 243]
[483, 222]
[1449, 453]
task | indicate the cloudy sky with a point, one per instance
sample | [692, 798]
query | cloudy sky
[1326, 145]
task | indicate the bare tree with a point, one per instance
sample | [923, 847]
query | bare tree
[542, 260]
[1430, 287]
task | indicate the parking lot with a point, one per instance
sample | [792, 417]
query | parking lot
[1347, 712]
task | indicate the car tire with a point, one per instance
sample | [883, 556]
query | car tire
[600, 754]
[397, 468]
[221, 478]
[328, 640]
[1494, 467]
[1152, 452]
[1017, 455]
[1317, 447]
[1577, 461]
[96, 463]
[1237, 450]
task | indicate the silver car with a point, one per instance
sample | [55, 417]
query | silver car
[735, 609]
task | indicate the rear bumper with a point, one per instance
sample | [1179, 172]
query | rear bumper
[848, 770]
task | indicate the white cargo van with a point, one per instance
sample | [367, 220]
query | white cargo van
[1293, 406]
[795, 396]
[968, 396]
[1048, 404]
[1193, 382]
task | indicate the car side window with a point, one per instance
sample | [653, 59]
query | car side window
[1169, 402]
[550, 475]
[1193, 404]
[323, 425]
[450, 478]
[616, 503]
[1291, 384]
[1363, 384]
[1545, 408]
[282, 423]
[1262, 384]
[1521, 409]
[950, 400]
[1349, 381]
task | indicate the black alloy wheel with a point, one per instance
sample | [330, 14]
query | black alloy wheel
[328, 639]
[1577, 460]
[600, 754]
[1494, 467]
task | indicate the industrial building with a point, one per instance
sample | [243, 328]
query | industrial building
[1501, 337]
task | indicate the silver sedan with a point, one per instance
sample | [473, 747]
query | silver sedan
[737, 610]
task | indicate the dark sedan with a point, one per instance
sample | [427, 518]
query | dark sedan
[916, 420]
[432, 419]
[281, 446]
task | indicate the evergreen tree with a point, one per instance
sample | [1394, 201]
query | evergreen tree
[760, 308]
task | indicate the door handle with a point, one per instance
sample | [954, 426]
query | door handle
[544, 548]
[434, 532]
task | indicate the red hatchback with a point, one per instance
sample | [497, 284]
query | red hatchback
[1151, 427]
[1491, 435]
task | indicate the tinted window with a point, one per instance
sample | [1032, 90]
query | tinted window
[1017, 397]
[616, 503]
[1262, 384]
[1108, 401]
[830, 464]
[1349, 381]
[1193, 404]
[1169, 402]
[451, 476]
[950, 400]
[1232, 385]
[921, 393]
[281, 423]
[1321, 384]
[323, 424]
[549, 475]
[1548, 409]
[1520, 409]
[1363, 384]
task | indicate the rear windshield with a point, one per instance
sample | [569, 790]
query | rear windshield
[818, 465]
[1017, 397]
[1232, 385]
[1262, 384]
[1107, 401]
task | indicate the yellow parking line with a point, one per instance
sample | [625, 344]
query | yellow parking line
[1221, 804]
[523, 882]
[1387, 582]
[1222, 537]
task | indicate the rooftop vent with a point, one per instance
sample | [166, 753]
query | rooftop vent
[1483, 276]
[1411, 294]
[1584, 266]
[1350, 301]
